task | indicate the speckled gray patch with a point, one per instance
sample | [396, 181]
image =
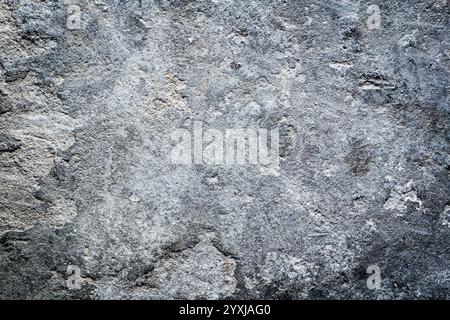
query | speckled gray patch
[90, 92]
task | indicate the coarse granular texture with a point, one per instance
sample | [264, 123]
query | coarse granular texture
[91, 91]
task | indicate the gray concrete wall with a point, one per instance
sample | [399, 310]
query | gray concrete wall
[91, 92]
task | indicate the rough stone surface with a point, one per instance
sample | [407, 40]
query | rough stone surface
[85, 175]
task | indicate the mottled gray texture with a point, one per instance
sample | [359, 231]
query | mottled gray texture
[86, 178]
